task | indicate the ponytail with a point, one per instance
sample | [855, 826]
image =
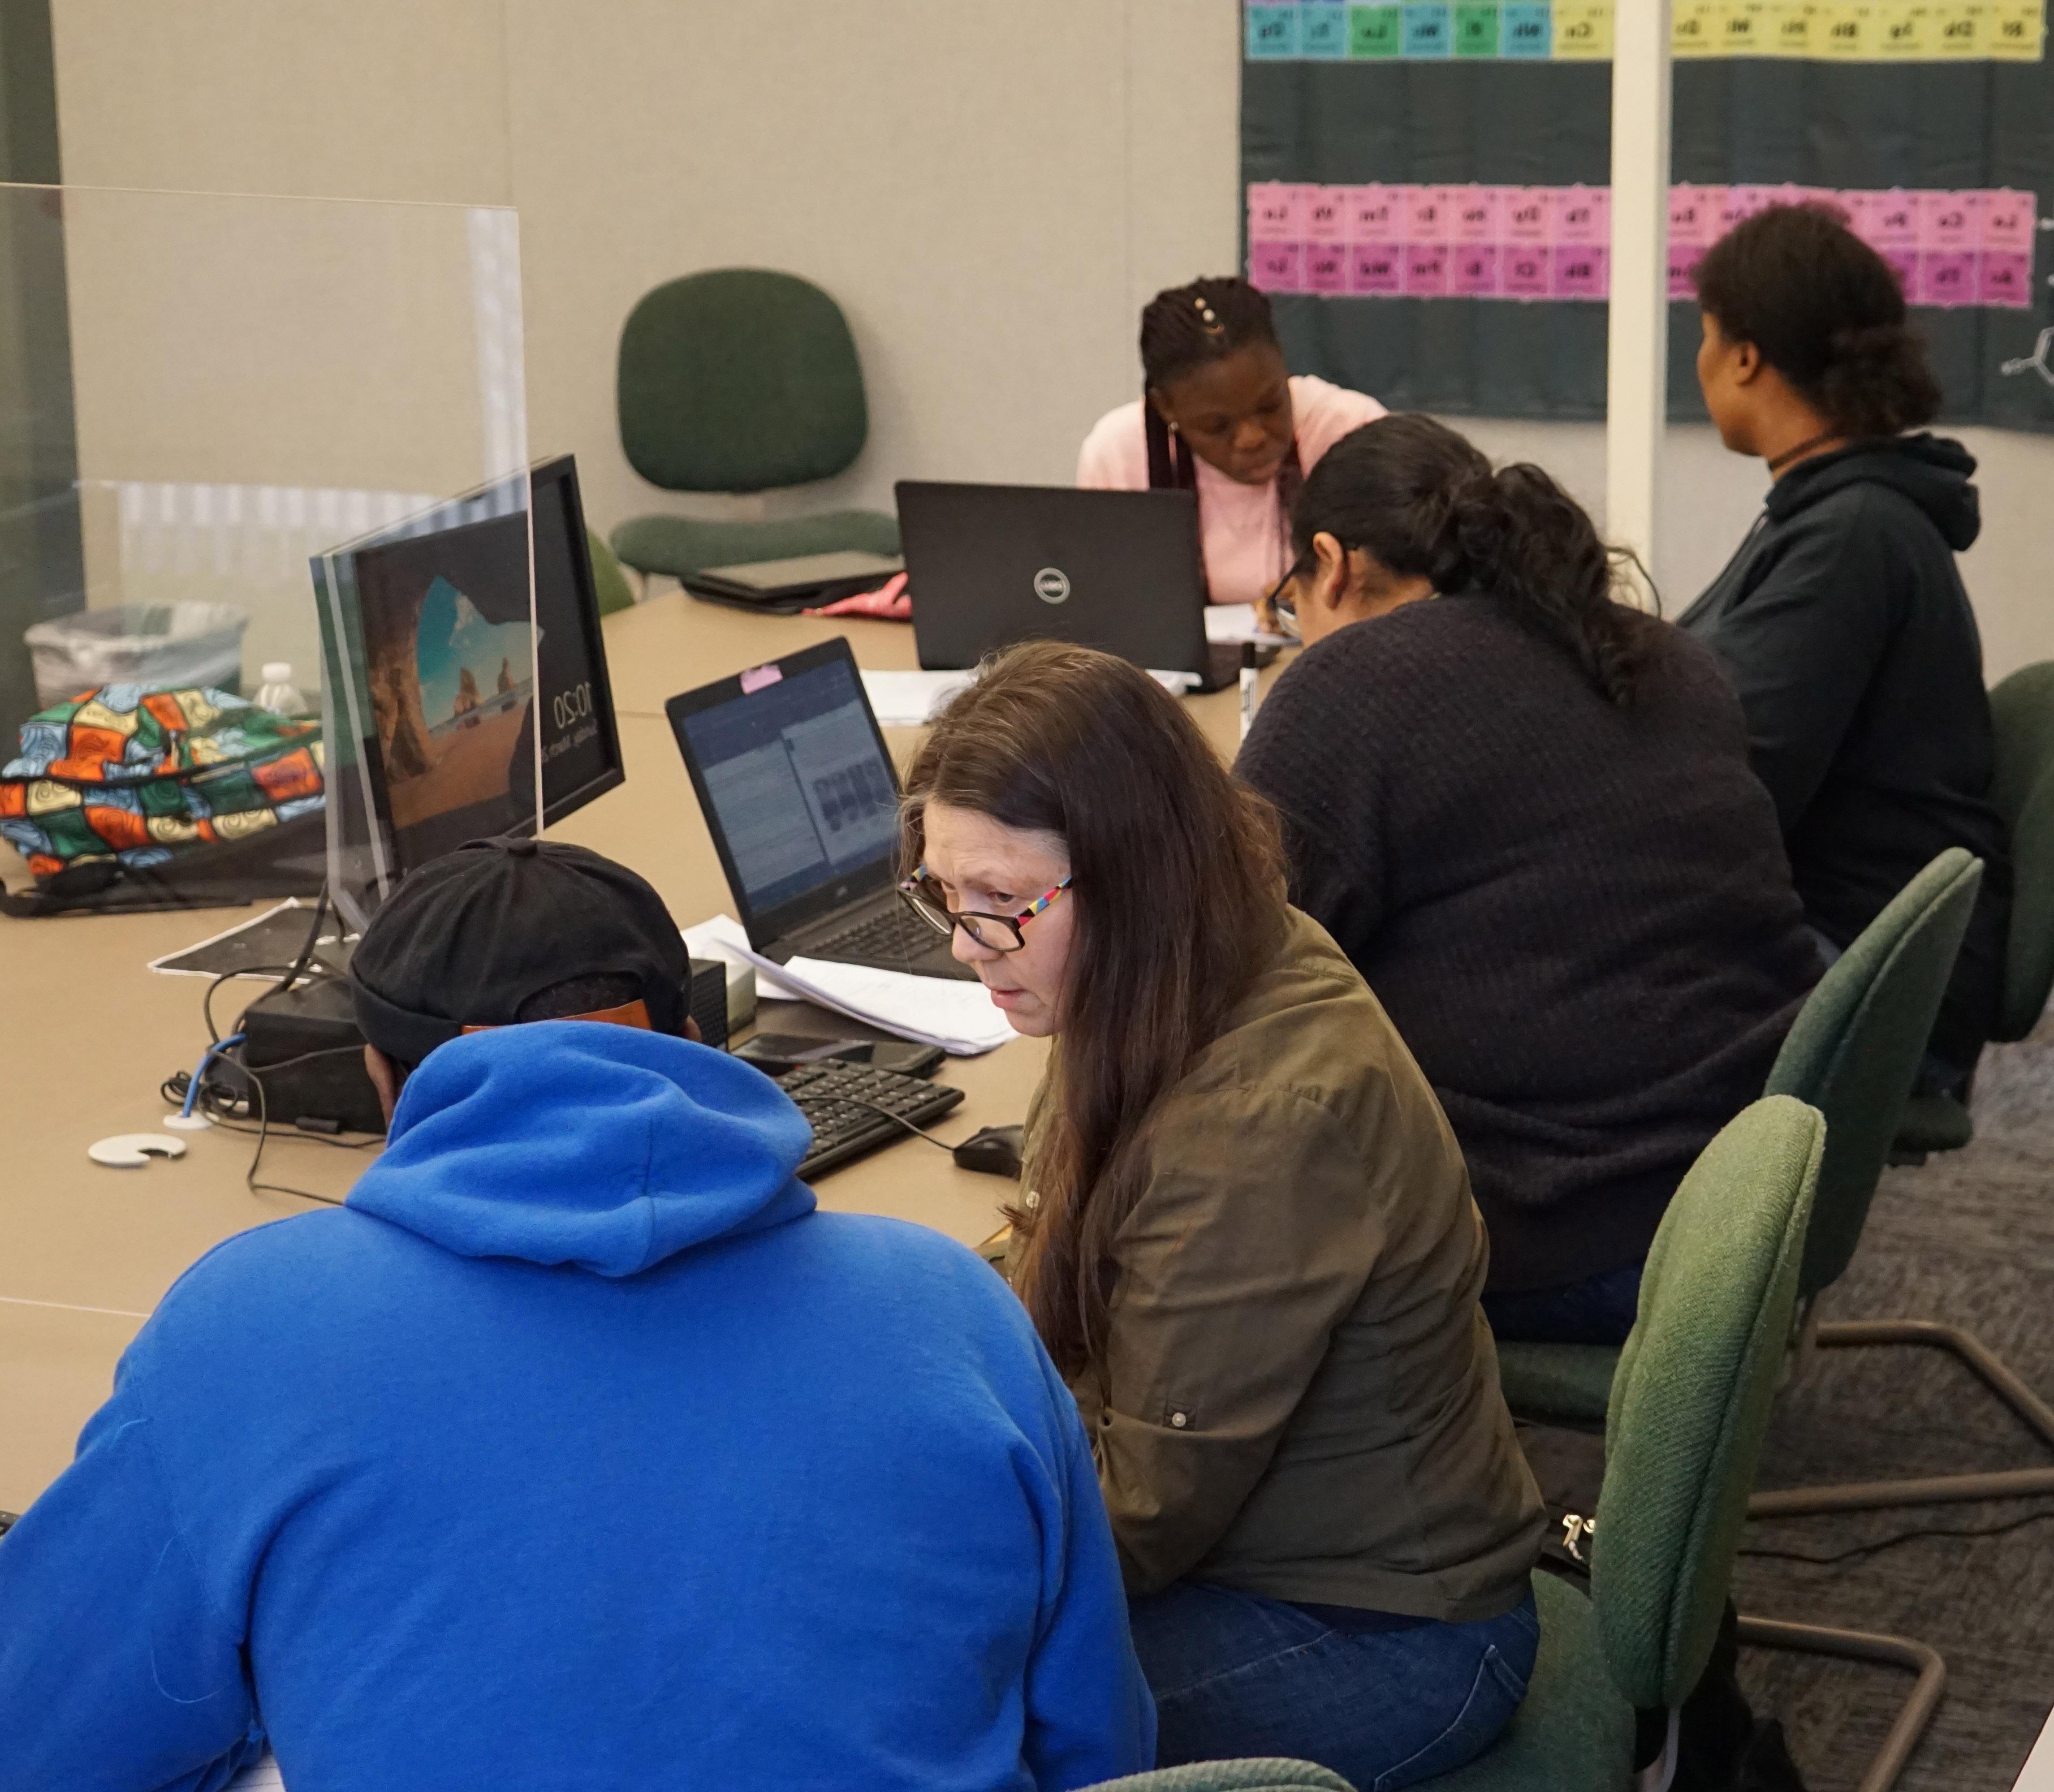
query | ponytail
[1423, 502]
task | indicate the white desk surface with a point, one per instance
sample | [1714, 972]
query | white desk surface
[89, 1035]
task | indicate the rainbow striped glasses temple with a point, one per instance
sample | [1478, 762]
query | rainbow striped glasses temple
[996, 933]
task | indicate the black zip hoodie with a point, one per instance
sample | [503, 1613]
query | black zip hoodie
[1843, 625]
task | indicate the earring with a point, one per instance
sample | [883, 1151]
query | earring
[1172, 428]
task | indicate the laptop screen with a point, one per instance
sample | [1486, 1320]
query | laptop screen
[797, 786]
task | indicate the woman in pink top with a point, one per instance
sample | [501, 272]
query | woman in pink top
[1221, 415]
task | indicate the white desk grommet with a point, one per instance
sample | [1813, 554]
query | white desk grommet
[187, 1123]
[133, 1150]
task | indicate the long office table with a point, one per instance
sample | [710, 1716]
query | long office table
[90, 1036]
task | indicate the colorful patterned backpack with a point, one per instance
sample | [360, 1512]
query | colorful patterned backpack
[139, 777]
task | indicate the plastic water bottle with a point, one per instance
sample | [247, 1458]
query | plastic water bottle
[278, 692]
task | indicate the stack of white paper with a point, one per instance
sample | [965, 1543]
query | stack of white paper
[910, 699]
[956, 1016]
[1230, 624]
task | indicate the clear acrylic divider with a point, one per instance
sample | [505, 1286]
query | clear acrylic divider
[239, 434]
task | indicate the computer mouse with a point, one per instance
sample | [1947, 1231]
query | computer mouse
[993, 1150]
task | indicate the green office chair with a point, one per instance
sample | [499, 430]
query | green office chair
[2022, 791]
[1230, 1776]
[1852, 1053]
[741, 380]
[1687, 1411]
[608, 581]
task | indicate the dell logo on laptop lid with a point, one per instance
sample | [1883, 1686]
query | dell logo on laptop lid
[1052, 584]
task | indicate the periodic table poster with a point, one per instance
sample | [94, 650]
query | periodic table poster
[1427, 199]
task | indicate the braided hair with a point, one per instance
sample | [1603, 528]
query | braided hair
[1184, 328]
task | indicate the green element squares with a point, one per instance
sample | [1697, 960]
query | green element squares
[1476, 29]
[1375, 31]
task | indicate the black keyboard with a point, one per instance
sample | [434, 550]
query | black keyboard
[841, 1101]
[891, 936]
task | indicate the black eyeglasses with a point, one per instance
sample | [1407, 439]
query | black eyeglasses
[1285, 611]
[996, 933]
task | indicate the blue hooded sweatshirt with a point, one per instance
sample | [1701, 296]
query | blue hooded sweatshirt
[578, 1451]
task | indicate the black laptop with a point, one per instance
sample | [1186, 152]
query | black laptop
[991, 565]
[803, 805]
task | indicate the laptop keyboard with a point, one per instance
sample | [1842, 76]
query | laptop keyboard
[840, 1103]
[891, 936]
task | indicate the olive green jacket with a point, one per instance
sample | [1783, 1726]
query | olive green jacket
[1298, 1396]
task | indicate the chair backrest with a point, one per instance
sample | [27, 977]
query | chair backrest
[1690, 1398]
[1853, 1050]
[739, 380]
[609, 583]
[2022, 711]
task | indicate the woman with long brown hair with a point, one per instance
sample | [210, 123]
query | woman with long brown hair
[1245, 1235]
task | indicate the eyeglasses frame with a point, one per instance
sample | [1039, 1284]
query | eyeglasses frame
[1014, 924]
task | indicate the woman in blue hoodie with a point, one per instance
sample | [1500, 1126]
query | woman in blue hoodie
[578, 1449]
[1842, 619]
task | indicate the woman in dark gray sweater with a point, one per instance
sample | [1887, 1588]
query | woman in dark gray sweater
[1524, 812]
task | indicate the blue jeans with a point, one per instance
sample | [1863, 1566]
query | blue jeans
[1234, 1675]
[1598, 1309]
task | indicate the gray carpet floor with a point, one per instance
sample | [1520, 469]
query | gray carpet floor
[1967, 1238]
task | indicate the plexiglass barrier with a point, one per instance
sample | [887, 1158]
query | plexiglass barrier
[239, 435]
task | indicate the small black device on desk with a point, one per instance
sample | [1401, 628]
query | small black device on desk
[775, 1053]
[852, 1109]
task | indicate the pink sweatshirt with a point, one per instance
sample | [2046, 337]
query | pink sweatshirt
[1244, 532]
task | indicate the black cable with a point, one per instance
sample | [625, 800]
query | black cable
[256, 1156]
[920, 1133]
[1861, 1549]
[313, 939]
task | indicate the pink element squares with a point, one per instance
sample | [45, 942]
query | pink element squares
[2008, 223]
[1373, 215]
[1826, 197]
[1526, 270]
[1476, 214]
[1376, 270]
[1742, 202]
[1581, 271]
[1325, 215]
[1326, 267]
[1276, 211]
[1950, 220]
[1948, 277]
[1526, 214]
[1904, 264]
[1475, 275]
[1692, 211]
[2007, 279]
[1583, 214]
[1275, 267]
[1683, 260]
[1426, 270]
[1427, 218]
[1891, 220]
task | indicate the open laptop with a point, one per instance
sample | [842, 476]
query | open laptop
[803, 805]
[992, 565]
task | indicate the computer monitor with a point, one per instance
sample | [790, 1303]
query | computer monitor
[449, 711]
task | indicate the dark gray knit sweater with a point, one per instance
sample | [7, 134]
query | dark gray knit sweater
[1579, 917]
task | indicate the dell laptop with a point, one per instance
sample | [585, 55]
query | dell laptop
[803, 805]
[991, 565]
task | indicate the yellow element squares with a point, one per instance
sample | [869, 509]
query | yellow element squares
[1583, 30]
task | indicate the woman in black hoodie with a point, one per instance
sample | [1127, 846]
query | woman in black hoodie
[1841, 619]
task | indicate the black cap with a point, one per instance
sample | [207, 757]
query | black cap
[467, 938]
